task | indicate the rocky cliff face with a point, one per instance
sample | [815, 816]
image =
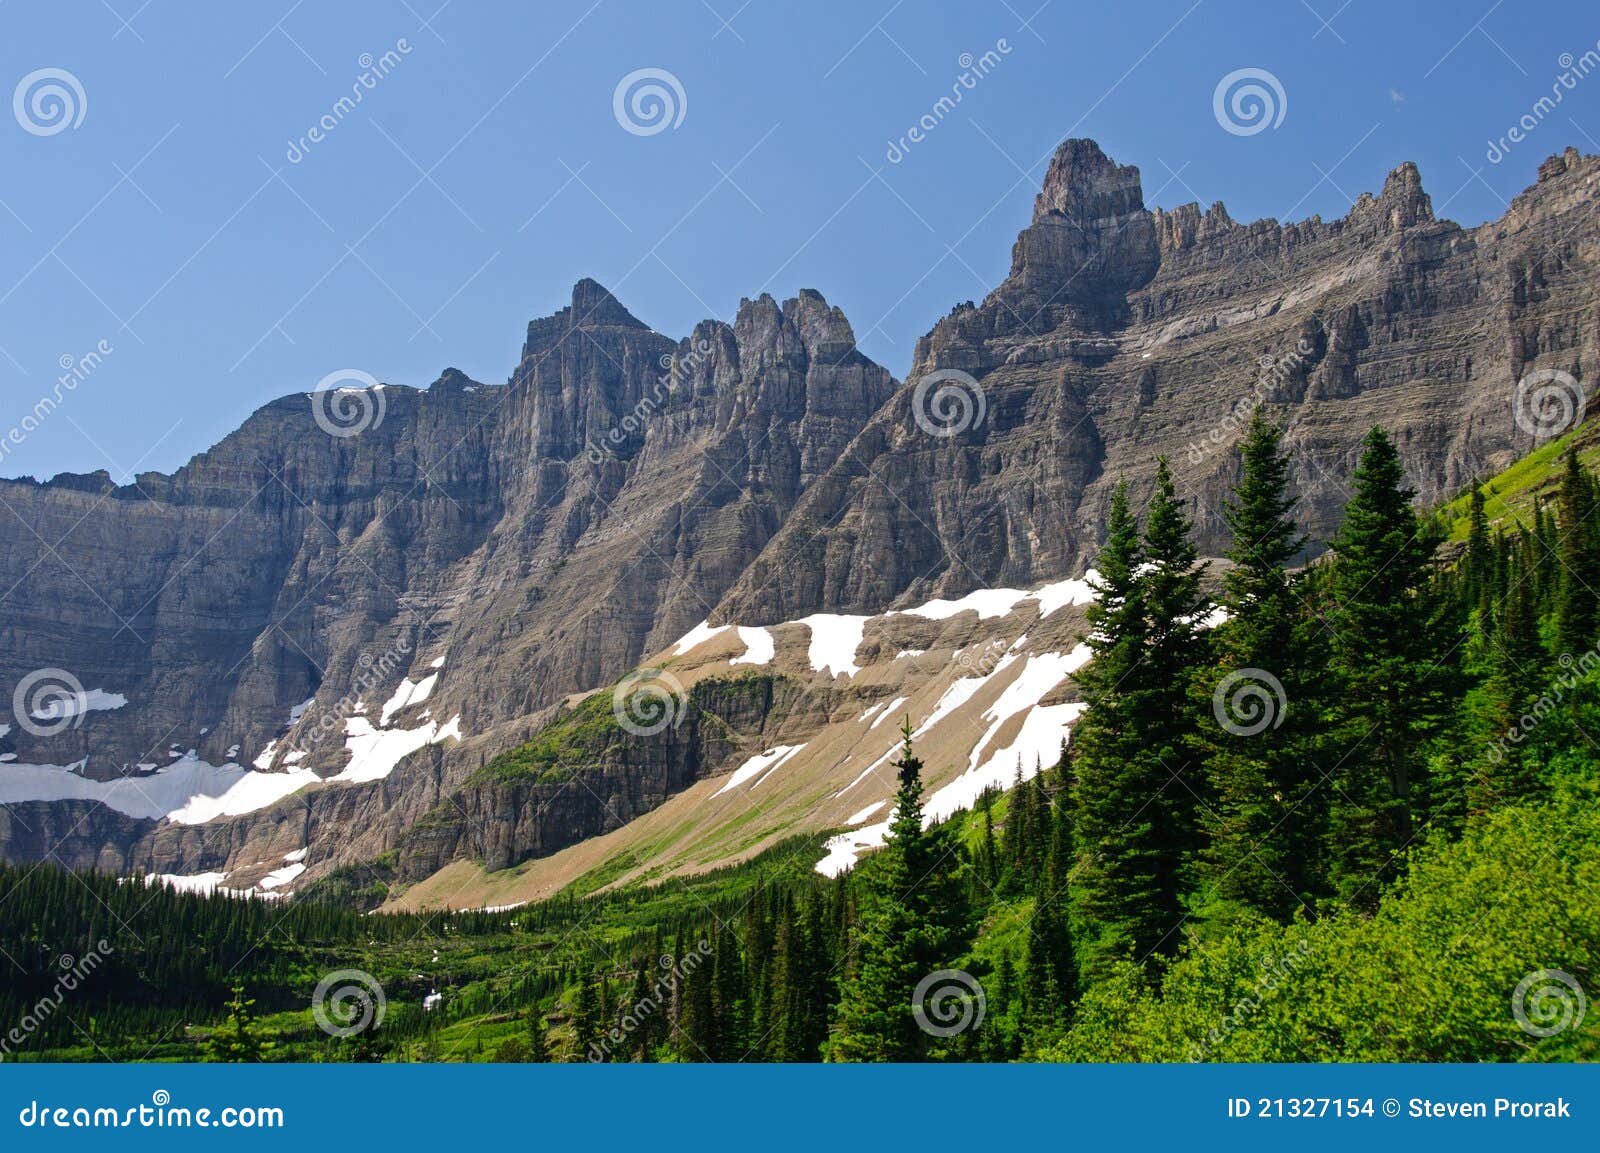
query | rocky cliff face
[1124, 333]
[518, 543]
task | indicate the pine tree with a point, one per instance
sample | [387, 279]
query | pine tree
[1515, 684]
[239, 1038]
[587, 1027]
[1259, 707]
[1391, 687]
[697, 1020]
[912, 922]
[1174, 608]
[1117, 894]
[1577, 573]
[1136, 781]
[538, 1045]
[1479, 560]
[729, 998]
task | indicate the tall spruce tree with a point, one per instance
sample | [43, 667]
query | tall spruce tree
[1117, 893]
[1577, 574]
[1387, 646]
[912, 922]
[1517, 678]
[1130, 751]
[1175, 608]
[1260, 709]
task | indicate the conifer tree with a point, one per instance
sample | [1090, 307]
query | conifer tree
[1480, 552]
[912, 922]
[1174, 608]
[538, 1045]
[587, 1027]
[1136, 780]
[1260, 710]
[1577, 573]
[729, 998]
[239, 1038]
[697, 1023]
[1515, 684]
[1391, 687]
[1116, 894]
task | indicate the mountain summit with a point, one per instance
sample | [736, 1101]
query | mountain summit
[303, 641]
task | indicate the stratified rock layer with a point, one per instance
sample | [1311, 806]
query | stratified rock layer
[541, 537]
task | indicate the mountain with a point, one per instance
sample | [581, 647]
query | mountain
[415, 601]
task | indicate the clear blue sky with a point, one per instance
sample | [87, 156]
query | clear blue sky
[487, 171]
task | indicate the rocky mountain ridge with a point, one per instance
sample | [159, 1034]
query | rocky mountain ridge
[522, 542]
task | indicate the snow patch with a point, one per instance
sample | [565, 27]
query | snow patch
[1054, 597]
[77, 704]
[698, 636]
[375, 752]
[889, 710]
[987, 603]
[835, 638]
[281, 877]
[201, 883]
[761, 763]
[758, 647]
[857, 818]
[408, 693]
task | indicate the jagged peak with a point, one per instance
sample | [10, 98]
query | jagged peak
[1560, 163]
[1082, 182]
[1401, 204]
[593, 306]
[808, 312]
[452, 380]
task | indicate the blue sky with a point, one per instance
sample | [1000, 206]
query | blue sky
[486, 170]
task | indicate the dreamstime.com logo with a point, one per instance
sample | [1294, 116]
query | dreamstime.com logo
[947, 402]
[49, 701]
[1573, 670]
[973, 69]
[1249, 101]
[347, 1002]
[1573, 69]
[347, 402]
[49, 101]
[646, 701]
[1249, 701]
[648, 101]
[947, 1002]
[75, 370]
[160, 1113]
[1547, 1002]
[372, 674]
[373, 69]
[1276, 371]
[1548, 402]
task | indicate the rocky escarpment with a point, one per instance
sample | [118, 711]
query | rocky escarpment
[1123, 333]
[543, 533]
[587, 775]
[512, 544]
